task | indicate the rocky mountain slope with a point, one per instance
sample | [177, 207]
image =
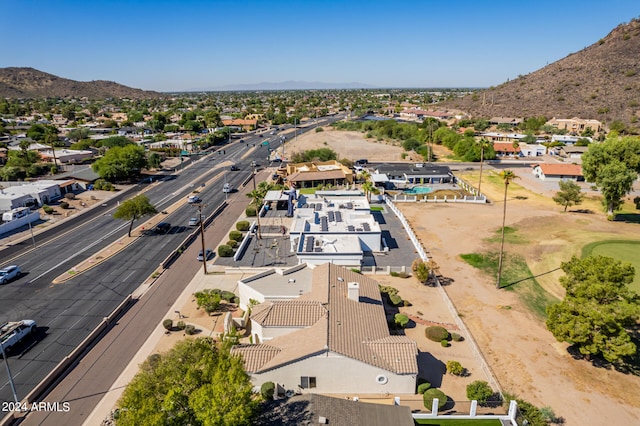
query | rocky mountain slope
[31, 83]
[600, 82]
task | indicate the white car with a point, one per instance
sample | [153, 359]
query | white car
[194, 221]
[193, 199]
[227, 188]
[9, 273]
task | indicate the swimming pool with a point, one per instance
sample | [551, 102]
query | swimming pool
[418, 190]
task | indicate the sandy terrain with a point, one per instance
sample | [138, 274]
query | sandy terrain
[524, 356]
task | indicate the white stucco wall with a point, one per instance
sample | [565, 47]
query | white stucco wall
[335, 373]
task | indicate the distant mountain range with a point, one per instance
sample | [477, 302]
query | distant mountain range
[286, 85]
[600, 82]
[31, 83]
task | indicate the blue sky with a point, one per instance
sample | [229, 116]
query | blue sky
[196, 44]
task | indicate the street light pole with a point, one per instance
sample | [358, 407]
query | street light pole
[259, 234]
[204, 250]
[33, 239]
[6, 363]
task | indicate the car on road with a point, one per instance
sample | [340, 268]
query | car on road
[234, 168]
[12, 333]
[9, 273]
[194, 199]
[208, 254]
[226, 188]
[162, 227]
[194, 221]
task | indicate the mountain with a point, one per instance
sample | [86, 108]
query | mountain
[600, 82]
[31, 83]
[286, 85]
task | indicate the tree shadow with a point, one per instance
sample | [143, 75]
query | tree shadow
[583, 211]
[627, 218]
[284, 413]
[628, 365]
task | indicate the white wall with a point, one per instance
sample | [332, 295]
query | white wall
[337, 374]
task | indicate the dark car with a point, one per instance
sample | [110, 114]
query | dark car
[234, 168]
[163, 227]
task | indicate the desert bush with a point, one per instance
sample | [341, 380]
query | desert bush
[242, 226]
[422, 387]
[190, 329]
[64, 205]
[208, 299]
[168, 324]
[250, 211]
[70, 196]
[401, 320]
[432, 393]
[225, 251]
[444, 343]
[181, 325]
[48, 209]
[436, 333]
[319, 129]
[455, 368]
[103, 185]
[456, 337]
[395, 300]
[229, 296]
[235, 235]
[232, 243]
[479, 391]
[267, 390]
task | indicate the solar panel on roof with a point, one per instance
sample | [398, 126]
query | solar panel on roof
[338, 217]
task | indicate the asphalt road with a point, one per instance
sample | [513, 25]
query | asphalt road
[66, 313]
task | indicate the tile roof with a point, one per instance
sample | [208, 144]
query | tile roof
[355, 329]
[288, 313]
[319, 175]
[561, 169]
[504, 147]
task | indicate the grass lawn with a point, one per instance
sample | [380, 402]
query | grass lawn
[377, 208]
[623, 250]
[308, 191]
[460, 422]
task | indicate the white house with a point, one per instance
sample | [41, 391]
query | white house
[557, 172]
[332, 339]
[532, 150]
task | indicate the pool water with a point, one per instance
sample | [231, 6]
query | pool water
[418, 190]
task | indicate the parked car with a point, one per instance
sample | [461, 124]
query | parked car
[194, 199]
[207, 255]
[9, 273]
[362, 162]
[194, 221]
[163, 227]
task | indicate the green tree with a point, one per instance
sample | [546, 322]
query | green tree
[598, 308]
[421, 270]
[196, 383]
[480, 391]
[569, 194]
[153, 160]
[507, 176]
[134, 208]
[613, 166]
[120, 162]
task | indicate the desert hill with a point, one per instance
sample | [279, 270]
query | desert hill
[31, 83]
[600, 82]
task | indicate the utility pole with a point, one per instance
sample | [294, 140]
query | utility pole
[204, 250]
[13, 386]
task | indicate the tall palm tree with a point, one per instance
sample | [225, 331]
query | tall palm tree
[484, 143]
[507, 176]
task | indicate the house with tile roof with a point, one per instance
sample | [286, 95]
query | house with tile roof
[556, 172]
[334, 338]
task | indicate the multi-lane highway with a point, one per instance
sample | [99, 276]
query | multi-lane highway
[67, 312]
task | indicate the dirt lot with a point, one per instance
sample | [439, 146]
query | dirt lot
[524, 356]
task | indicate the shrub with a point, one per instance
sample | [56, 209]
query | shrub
[444, 343]
[401, 320]
[64, 205]
[232, 243]
[235, 235]
[456, 337]
[479, 391]
[229, 296]
[250, 211]
[242, 226]
[422, 387]
[48, 209]
[395, 300]
[103, 185]
[190, 329]
[208, 299]
[168, 324]
[70, 196]
[436, 333]
[432, 393]
[455, 368]
[319, 129]
[180, 325]
[267, 390]
[225, 251]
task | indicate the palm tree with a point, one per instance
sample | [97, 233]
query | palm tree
[484, 143]
[507, 176]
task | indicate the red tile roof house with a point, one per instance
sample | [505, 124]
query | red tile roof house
[333, 339]
[504, 149]
[556, 172]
